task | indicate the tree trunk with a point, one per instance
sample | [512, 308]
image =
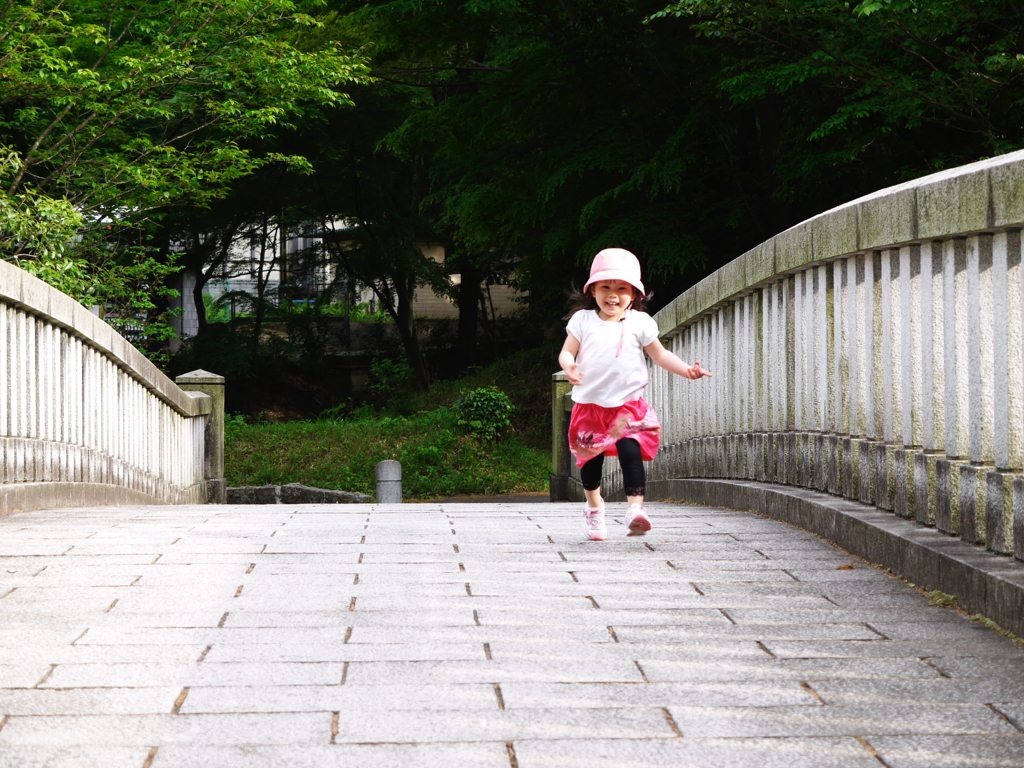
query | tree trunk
[469, 299]
[405, 291]
[262, 278]
[197, 300]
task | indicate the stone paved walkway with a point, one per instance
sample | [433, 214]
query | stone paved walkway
[482, 635]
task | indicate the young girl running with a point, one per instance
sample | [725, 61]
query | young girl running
[603, 358]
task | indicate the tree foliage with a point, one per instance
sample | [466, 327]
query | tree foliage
[524, 134]
[877, 90]
[686, 133]
[109, 112]
[554, 129]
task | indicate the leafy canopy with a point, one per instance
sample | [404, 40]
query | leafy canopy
[947, 75]
[111, 111]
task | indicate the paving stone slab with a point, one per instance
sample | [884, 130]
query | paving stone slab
[23, 673]
[931, 751]
[709, 694]
[856, 602]
[542, 603]
[32, 548]
[877, 591]
[89, 756]
[979, 690]
[792, 669]
[172, 556]
[384, 580]
[545, 632]
[949, 665]
[155, 730]
[708, 653]
[132, 675]
[475, 754]
[431, 672]
[766, 633]
[840, 720]
[696, 753]
[828, 575]
[340, 698]
[249, 617]
[603, 617]
[1014, 712]
[269, 567]
[958, 629]
[426, 726]
[349, 562]
[163, 636]
[88, 701]
[73, 595]
[111, 654]
[830, 614]
[451, 588]
[150, 615]
[13, 639]
[512, 565]
[879, 649]
[309, 652]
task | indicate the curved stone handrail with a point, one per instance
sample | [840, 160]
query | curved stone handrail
[85, 418]
[874, 352]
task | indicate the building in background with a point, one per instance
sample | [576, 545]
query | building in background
[298, 274]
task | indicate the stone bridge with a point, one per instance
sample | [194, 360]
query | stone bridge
[868, 389]
[869, 384]
[85, 418]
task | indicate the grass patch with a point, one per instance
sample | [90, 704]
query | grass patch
[984, 620]
[941, 598]
[438, 459]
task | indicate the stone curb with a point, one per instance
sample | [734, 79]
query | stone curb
[23, 497]
[293, 493]
[983, 582]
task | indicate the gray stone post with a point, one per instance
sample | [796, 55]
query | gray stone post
[389, 482]
[213, 385]
[558, 484]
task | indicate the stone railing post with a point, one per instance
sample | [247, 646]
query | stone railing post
[560, 455]
[389, 482]
[213, 385]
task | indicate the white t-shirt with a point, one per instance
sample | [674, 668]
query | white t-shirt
[610, 381]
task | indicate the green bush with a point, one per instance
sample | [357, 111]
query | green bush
[485, 413]
[389, 377]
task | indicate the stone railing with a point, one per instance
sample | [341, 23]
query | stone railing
[86, 419]
[874, 352]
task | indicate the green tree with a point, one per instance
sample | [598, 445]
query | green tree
[555, 129]
[368, 204]
[35, 230]
[111, 112]
[871, 92]
[686, 134]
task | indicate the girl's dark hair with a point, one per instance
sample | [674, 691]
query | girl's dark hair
[579, 300]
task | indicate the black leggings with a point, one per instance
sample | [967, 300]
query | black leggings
[634, 478]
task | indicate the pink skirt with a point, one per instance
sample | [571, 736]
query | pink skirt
[594, 430]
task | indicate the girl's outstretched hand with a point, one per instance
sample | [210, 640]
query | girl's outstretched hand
[696, 372]
[573, 375]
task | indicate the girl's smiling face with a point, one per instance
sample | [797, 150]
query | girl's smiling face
[613, 297]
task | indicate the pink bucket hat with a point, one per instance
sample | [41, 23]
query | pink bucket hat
[615, 264]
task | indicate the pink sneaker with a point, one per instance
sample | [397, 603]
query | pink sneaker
[593, 524]
[637, 520]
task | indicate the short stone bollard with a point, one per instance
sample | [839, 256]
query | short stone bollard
[389, 482]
